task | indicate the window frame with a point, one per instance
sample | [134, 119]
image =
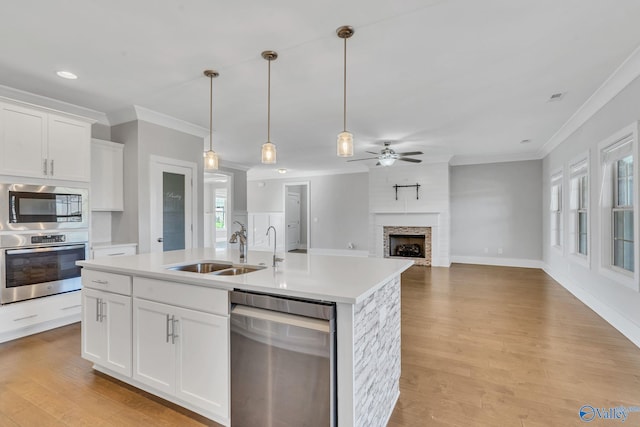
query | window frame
[556, 218]
[618, 146]
[578, 170]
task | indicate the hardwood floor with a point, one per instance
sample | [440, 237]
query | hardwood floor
[481, 346]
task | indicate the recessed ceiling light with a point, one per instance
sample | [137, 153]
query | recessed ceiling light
[525, 141]
[556, 97]
[67, 75]
[282, 171]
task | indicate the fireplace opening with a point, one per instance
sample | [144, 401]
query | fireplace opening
[407, 245]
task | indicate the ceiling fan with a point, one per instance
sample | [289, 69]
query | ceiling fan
[388, 156]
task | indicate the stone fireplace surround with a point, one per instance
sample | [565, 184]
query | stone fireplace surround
[414, 231]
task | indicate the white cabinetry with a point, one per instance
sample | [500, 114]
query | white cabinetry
[99, 251]
[258, 225]
[106, 320]
[107, 171]
[181, 344]
[39, 144]
[29, 317]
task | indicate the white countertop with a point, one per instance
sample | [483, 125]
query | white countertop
[320, 277]
[100, 245]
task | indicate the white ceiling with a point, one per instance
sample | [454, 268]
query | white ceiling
[449, 77]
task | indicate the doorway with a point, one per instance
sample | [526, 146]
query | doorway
[171, 192]
[296, 216]
[218, 208]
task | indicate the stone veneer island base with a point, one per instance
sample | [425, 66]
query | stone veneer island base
[367, 296]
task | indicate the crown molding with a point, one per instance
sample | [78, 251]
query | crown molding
[136, 112]
[628, 71]
[226, 164]
[496, 158]
[33, 100]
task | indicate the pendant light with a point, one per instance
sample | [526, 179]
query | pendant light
[211, 157]
[345, 139]
[268, 148]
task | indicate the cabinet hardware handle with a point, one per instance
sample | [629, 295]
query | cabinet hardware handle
[102, 310]
[97, 309]
[44, 167]
[168, 334]
[100, 282]
[51, 167]
[71, 306]
[174, 322]
[25, 318]
[119, 253]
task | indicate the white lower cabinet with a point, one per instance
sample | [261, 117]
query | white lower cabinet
[106, 330]
[184, 353]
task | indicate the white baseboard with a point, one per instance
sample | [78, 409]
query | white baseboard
[625, 326]
[338, 252]
[504, 262]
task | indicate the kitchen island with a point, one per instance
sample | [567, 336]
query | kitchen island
[366, 292]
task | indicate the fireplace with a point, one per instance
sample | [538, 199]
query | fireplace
[408, 242]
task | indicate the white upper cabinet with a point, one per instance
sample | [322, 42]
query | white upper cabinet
[39, 144]
[107, 171]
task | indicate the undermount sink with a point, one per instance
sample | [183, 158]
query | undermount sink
[234, 271]
[201, 267]
[216, 268]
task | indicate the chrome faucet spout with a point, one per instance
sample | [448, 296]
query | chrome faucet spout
[241, 237]
[275, 245]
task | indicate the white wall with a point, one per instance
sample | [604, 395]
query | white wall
[338, 208]
[615, 302]
[430, 209]
[497, 207]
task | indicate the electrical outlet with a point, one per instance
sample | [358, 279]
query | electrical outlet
[485, 250]
[499, 251]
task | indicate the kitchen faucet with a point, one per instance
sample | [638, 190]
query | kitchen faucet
[242, 236]
[275, 244]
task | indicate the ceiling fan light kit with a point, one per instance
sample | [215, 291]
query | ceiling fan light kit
[211, 157]
[345, 139]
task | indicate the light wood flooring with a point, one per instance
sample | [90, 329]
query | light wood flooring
[481, 346]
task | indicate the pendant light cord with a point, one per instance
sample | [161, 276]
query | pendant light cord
[344, 124]
[210, 113]
[269, 103]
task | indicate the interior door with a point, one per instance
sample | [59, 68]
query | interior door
[292, 219]
[171, 216]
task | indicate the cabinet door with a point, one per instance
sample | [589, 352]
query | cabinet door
[118, 332]
[107, 160]
[203, 360]
[22, 141]
[69, 149]
[153, 351]
[94, 343]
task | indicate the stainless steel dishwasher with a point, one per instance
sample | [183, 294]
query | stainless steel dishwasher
[283, 366]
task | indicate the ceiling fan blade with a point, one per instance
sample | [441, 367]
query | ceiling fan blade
[411, 153]
[407, 159]
[371, 152]
[357, 160]
[378, 164]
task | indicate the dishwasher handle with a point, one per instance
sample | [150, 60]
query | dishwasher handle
[284, 318]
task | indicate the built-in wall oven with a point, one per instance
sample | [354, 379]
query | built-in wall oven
[34, 265]
[42, 207]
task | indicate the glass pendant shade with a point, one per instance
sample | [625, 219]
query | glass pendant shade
[387, 162]
[345, 144]
[210, 161]
[268, 153]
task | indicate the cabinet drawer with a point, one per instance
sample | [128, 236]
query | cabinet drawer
[188, 296]
[32, 312]
[117, 251]
[110, 282]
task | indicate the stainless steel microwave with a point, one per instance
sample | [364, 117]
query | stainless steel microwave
[42, 207]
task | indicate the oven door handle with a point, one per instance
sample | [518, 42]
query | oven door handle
[43, 249]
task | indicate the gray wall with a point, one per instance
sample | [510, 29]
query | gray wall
[100, 131]
[239, 189]
[496, 206]
[141, 140]
[339, 207]
[606, 296]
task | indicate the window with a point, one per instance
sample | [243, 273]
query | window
[221, 203]
[579, 205]
[556, 210]
[622, 213]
